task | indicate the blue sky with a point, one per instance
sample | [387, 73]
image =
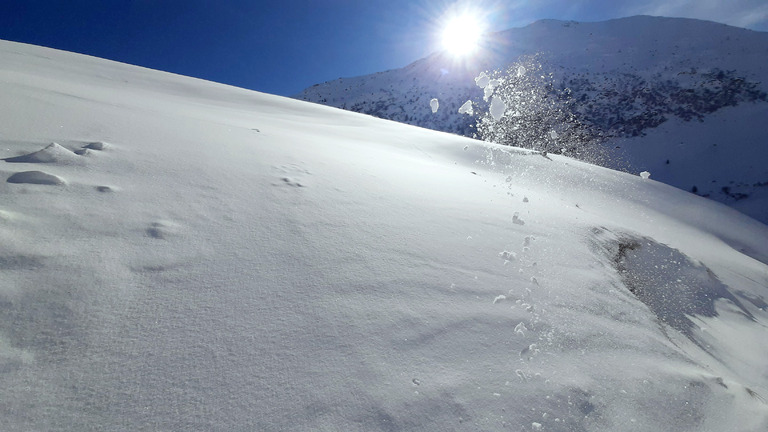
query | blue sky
[284, 46]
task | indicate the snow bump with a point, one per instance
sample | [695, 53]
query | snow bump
[52, 154]
[36, 177]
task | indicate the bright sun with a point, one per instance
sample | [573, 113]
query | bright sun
[461, 34]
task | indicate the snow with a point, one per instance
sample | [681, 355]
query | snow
[645, 175]
[497, 108]
[217, 259]
[488, 90]
[35, 177]
[466, 108]
[722, 152]
[482, 80]
[53, 153]
[434, 104]
[654, 50]
[487, 84]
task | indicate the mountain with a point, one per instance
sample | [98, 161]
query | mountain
[177, 254]
[657, 88]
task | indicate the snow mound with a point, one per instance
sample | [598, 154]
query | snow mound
[52, 154]
[36, 177]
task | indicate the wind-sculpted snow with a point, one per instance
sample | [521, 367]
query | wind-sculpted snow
[35, 177]
[218, 259]
[53, 153]
[675, 289]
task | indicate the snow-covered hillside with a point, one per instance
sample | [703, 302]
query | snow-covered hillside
[191, 256]
[628, 77]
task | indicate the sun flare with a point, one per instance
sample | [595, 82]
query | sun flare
[461, 34]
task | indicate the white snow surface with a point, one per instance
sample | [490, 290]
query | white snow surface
[216, 259]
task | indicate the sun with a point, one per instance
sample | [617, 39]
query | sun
[462, 33]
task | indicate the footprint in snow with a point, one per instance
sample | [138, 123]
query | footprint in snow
[291, 175]
[508, 255]
[291, 182]
[530, 351]
[161, 230]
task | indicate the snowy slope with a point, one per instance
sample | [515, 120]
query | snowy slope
[628, 75]
[724, 158]
[191, 256]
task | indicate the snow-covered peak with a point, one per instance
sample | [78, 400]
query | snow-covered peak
[654, 85]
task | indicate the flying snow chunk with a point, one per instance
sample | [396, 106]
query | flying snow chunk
[488, 91]
[645, 175]
[434, 104]
[466, 108]
[482, 80]
[553, 134]
[521, 70]
[497, 108]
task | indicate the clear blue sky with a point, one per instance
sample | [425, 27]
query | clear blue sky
[284, 46]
